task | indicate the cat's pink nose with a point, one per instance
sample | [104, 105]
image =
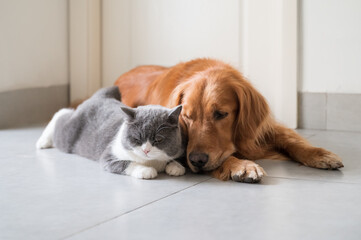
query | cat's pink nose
[146, 151]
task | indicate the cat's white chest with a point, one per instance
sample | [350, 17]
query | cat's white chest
[146, 160]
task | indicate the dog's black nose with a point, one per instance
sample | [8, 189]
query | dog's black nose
[198, 159]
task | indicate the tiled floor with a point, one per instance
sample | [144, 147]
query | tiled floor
[52, 195]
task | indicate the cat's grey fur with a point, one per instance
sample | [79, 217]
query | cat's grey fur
[93, 128]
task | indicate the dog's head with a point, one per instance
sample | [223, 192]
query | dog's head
[220, 109]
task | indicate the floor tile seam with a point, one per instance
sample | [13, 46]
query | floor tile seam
[314, 180]
[310, 136]
[134, 209]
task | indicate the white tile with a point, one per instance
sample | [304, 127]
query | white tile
[307, 133]
[277, 209]
[347, 145]
[47, 194]
[19, 142]
[51, 195]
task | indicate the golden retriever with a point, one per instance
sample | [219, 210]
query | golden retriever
[226, 120]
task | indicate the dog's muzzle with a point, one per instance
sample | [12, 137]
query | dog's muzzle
[198, 159]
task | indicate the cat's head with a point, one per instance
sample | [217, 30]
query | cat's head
[153, 132]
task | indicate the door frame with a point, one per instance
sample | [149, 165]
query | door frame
[269, 31]
[84, 47]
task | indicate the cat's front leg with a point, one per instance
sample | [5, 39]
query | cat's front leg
[174, 168]
[115, 166]
[140, 171]
[130, 168]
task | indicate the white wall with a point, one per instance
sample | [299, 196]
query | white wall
[116, 46]
[269, 53]
[33, 44]
[259, 37]
[84, 48]
[165, 32]
[330, 46]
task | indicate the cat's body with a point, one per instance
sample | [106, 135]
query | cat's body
[139, 142]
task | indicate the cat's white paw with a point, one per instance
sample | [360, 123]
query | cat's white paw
[175, 169]
[144, 172]
[44, 141]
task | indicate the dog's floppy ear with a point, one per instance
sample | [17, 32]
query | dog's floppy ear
[253, 111]
[176, 96]
[175, 99]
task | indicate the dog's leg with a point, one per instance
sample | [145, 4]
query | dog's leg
[239, 170]
[301, 151]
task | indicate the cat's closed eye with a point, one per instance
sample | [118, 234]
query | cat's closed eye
[137, 141]
[159, 139]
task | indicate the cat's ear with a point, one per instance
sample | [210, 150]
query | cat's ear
[173, 115]
[129, 112]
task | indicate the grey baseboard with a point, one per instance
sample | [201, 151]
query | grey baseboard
[32, 106]
[329, 111]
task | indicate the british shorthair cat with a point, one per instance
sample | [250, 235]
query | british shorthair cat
[140, 142]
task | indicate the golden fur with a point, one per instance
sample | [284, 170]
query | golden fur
[248, 132]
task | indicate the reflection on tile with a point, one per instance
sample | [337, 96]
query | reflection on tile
[344, 112]
[277, 209]
[346, 145]
[47, 194]
[19, 142]
[307, 133]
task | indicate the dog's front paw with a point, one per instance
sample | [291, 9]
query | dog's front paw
[239, 170]
[324, 159]
[175, 169]
[248, 172]
[144, 172]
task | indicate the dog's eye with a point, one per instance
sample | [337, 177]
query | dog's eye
[218, 115]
